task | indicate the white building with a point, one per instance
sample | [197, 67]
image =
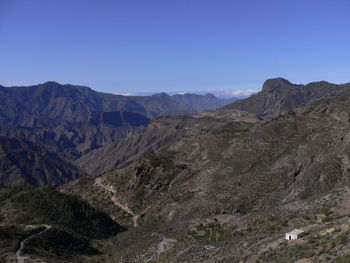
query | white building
[295, 234]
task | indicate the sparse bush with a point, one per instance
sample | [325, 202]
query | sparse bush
[211, 232]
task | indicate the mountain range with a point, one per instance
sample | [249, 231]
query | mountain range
[223, 185]
[69, 121]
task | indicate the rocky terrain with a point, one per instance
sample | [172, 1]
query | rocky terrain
[231, 196]
[220, 186]
[25, 163]
[160, 132]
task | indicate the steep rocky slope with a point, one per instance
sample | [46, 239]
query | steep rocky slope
[71, 140]
[231, 195]
[279, 95]
[23, 162]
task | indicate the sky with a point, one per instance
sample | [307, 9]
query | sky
[148, 46]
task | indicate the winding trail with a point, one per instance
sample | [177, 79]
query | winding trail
[115, 200]
[20, 258]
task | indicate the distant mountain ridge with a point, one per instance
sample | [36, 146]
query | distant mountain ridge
[202, 102]
[52, 103]
[279, 95]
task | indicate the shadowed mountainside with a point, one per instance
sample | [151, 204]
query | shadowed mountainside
[24, 162]
[69, 225]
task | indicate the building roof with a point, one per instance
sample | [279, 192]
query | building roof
[295, 232]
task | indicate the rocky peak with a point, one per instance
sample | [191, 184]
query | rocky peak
[275, 84]
[51, 83]
[160, 95]
[210, 96]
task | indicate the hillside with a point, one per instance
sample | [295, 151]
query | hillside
[71, 140]
[279, 95]
[161, 131]
[50, 225]
[230, 196]
[23, 162]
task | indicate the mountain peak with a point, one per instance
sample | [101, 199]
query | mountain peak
[210, 95]
[51, 83]
[161, 94]
[276, 83]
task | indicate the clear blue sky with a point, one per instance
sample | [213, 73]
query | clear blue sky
[173, 45]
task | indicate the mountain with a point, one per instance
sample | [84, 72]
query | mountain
[25, 163]
[279, 95]
[72, 140]
[202, 102]
[230, 196]
[67, 121]
[220, 186]
[52, 103]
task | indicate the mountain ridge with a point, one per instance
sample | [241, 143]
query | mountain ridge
[279, 95]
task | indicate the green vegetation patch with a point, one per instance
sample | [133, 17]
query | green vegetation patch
[211, 232]
[48, 206]
[59, 243]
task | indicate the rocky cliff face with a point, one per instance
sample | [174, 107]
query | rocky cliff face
[279, 95]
